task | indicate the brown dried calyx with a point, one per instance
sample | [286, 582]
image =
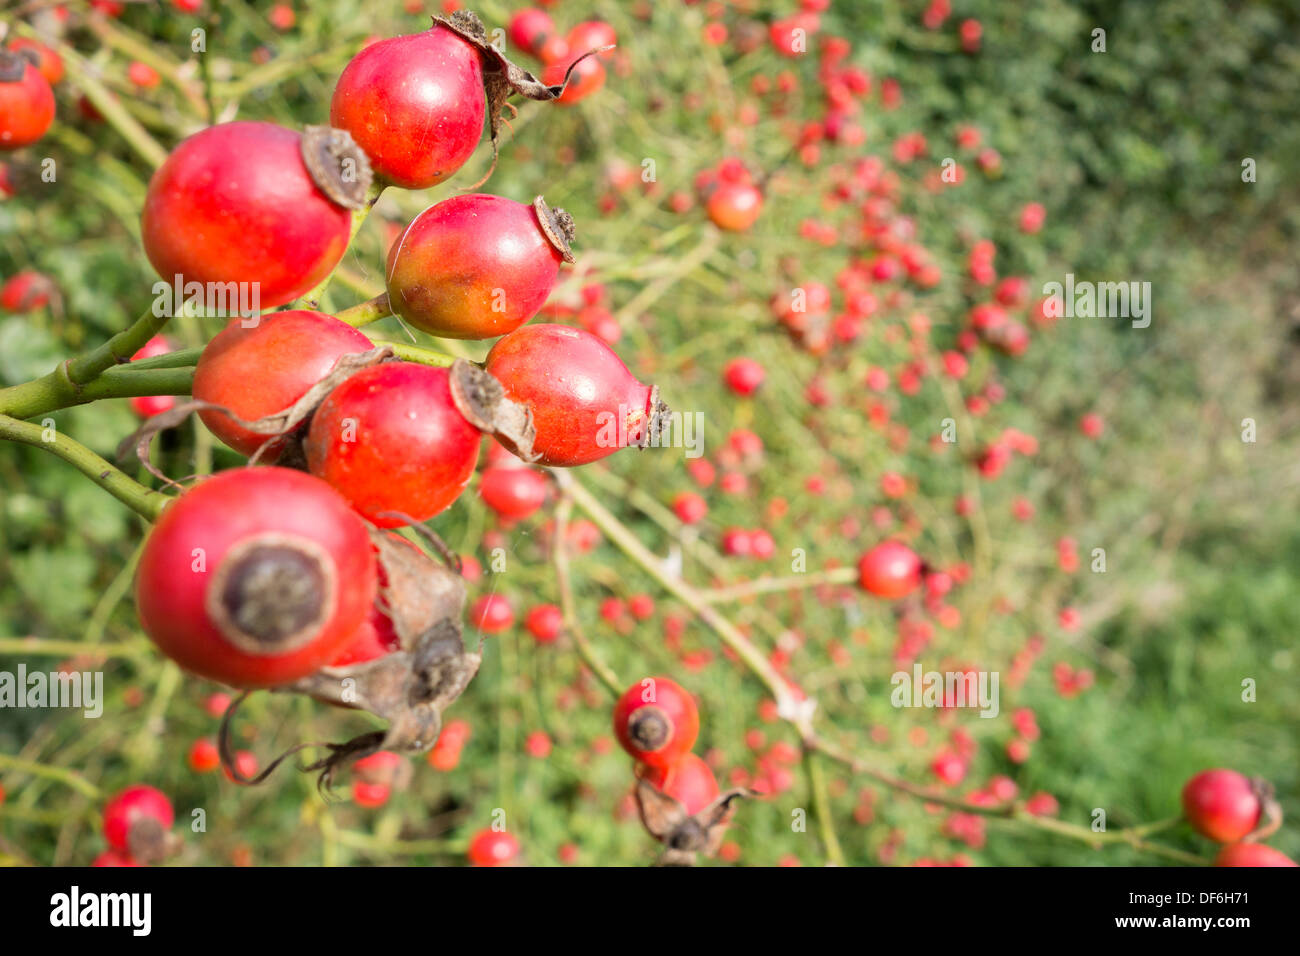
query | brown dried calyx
[482, 400]
[1270, 814]
[13, 66]
[272, 593]
[410, 687]
[337, 165]
[682, 835]
[557, 225]
[501, 78]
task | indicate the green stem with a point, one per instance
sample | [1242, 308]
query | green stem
[363, 313]
[144, 501]
[414, 353]
[822, 807]
[560, 558]
[34, 769]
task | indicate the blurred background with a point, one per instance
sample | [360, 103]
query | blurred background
[1116, 686]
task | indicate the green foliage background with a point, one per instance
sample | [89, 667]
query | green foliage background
[1136, 153]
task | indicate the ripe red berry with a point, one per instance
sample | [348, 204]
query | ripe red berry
[591, 34]
[513, 493]
[235, 203]
[48, 62]
[545, 622]
[203, 756]
[587, 78]
[114, 858]
[735, 206]
[1092, 425]
[136, 822]
[1221, 804]
[370, 795]
[656, 721]
[743, 376]
[689, 507]
[476, 266]
[143, 75]
[585, 403]
[415, 104]
[26, 101]
[492, 613]
[1252, 854]
[493, 848]
[890, 570]
[255, 577]
[689, 781]
[26, 291]
[529, 29]
[264, 369]
[392, 441]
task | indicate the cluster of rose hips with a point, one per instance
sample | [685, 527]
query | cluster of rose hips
[1237, 812]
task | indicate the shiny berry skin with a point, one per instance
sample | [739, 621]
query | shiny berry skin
[656, 721]
[376, 637]
[390, 439]
[689, 781]
[147, 406]
[472, 267]
[743, 376]
[529, 29]
[203, 756]
[492, 613]
[235, 203]
[734, 206]
[1252, 854]
[370, 795]
[136, 820]
[492, 848]
[1221, 804]
[26, 102]
[415, 104]
[255, 577]
[262, 370]
[690, 508]
[591, 34]
[513, 493]
[579, 391]
[890, 570]
[48, 62]
[26, 291]
[545, 622]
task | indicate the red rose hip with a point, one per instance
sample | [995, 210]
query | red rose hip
[890, 570]
[1221, 804]
[26, 101]
[656, 721]
[477, 266]
[255, 577]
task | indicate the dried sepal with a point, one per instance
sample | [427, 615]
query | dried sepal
[557, 225]
[481, 399]
[337, 165]
[502, 78]
[683, 836]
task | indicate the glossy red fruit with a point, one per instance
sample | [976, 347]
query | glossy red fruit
[890, 570]
[689, 781]
[1221, 804]
[690, 508]
[529, 29]
[513, 493]
[415, 104]
[26, 291]
[473, 267]
[492, 613]
[235, 203]
[735, 206]
[392, 441]
[114, 858]
[255, 577]
[376, 637]
[26, 101]
[493, 848]
[1252, 854]
[147, 406]
[262, 370]
[743, 376]
[203, 756]
[591, 34]
[48, 62]
[136, 822]
[545, 622]
[656, 721]
[585, 403]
